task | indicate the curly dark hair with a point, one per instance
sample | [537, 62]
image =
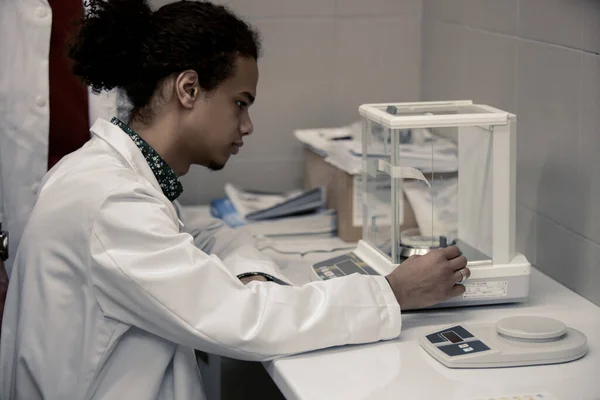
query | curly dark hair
[124, 44]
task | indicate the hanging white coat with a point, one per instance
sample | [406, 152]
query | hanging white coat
[109, 295]
[25, 27]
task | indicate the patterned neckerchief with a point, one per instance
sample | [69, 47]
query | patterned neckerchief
[168, 181]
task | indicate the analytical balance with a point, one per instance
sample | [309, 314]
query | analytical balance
[511, 342]
[454, 164]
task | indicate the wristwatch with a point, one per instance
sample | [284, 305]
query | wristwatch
[268, 277]
[3, 244]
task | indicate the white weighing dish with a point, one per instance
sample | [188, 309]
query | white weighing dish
[511, 342]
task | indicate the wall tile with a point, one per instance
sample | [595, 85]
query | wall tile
[388, 8]
[526, 228]
[569, 258]
[489, 15]
[589, 168]
[444, 10]
[442, 72]
[281, 8]
[591, 26]
[489, 69]
[375, 61]
[295, 87]
[551, 21]
[548, 130]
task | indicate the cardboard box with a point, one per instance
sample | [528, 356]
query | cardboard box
[340, 190]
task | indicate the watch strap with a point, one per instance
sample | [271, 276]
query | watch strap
[268, 277]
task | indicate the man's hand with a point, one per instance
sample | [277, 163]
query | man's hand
[422, 281]
[248, 279]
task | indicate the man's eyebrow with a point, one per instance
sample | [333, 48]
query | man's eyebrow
[249, 96]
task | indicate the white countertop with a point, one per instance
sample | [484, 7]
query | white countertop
[401, 369]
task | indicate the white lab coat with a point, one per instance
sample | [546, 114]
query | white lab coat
[109, 296]
[25, 27]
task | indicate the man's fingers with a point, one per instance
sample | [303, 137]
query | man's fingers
[457, 290]
[458, 263]
[458, 275]
[451, 252]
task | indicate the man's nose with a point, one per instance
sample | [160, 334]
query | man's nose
[246, 128]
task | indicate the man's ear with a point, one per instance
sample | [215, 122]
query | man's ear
[187, 88]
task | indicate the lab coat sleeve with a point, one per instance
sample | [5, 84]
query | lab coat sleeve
[212, 235]
[236, 247]
[147, 274]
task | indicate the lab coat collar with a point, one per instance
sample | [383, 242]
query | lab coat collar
[122, 143]
[164, 174]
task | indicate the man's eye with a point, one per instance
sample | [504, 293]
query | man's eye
[241, 104]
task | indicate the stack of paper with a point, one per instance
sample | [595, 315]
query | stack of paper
[318, 224]
[256, 206]
[318, 140]
[293, 213]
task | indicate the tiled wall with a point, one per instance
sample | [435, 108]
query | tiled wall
[322, 59]
[539, 59]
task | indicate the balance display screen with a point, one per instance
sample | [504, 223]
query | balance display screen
[452, 337]
[349, 267]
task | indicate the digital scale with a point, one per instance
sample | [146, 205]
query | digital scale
[511, 342]
[457, 162]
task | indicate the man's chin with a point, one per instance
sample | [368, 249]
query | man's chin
[215, 166]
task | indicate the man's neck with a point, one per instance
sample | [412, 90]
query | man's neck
[161, 134]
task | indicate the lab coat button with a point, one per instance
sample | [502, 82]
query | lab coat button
[41, 12]
[41, 101]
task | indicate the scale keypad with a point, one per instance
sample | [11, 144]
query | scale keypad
[457, 341]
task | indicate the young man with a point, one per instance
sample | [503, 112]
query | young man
[109, 295]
